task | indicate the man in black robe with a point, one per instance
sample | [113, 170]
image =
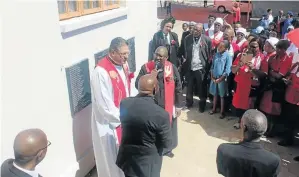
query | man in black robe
[145, 132]
[248, 158]
[169, 96]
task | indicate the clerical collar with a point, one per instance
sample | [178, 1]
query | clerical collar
[29, 172]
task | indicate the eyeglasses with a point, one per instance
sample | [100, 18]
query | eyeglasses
[253, 47]
[124, 54]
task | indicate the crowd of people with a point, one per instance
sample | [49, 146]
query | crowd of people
[255, 76]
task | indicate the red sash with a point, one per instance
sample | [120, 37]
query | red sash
[119, 90]
[169, 85]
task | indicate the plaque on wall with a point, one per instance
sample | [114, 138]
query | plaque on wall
[131, 59]
[78, 83]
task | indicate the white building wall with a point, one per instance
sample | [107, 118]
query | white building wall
[34, 85]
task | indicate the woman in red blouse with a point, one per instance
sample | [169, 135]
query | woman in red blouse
[279, 65]
[291, 106]
[247, 76]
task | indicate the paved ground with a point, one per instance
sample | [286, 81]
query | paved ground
[199, 137]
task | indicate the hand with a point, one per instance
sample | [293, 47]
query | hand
[249, 64]
[178, 112]
[286, 81]
[218, 81]
[184, 60]
[240, 64]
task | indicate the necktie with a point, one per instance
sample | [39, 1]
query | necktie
[196, 39]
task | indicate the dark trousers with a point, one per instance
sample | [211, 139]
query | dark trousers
[174, 132]
[199, 80]
[290, 114]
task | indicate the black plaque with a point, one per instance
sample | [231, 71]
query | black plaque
[131, 60]
[78, 83]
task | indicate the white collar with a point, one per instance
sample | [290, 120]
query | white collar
[31, 173]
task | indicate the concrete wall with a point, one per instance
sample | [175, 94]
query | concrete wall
[260, 7]
[34, 83]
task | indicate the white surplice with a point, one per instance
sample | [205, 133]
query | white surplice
[105, 118]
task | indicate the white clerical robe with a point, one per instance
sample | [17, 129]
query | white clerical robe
[105, 118]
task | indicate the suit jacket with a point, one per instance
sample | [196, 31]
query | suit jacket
[182, 48]
[9, 170]
[246, 159]
[145, 134]
[173, 49]
[204, 52]
[275, 20]
[160, 95]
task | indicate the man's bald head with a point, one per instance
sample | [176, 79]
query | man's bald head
[228, 34]
[162, 50]
[29, 144]
[147, 83]
[198, 29]
[254, 124]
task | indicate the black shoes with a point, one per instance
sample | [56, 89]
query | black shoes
[285, 143]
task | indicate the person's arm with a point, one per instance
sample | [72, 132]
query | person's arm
[103, 97]
[141, 73]
[209, 43]
[154, 45]
[164, 133]
[262, 72]
[220, 162]
[178, 89]
[236, 65]
[276, 166]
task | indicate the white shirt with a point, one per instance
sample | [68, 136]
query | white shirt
[31, 173]
[270, 18]
[167, 37]
[122, 74]
[292, 49]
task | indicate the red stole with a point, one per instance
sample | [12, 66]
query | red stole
[169, 85]
[119, 89]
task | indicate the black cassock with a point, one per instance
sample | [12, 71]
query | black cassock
[160, 97]
[246, 159]
[146, 134]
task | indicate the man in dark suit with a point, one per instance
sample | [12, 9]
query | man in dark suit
[279, 21]
[197, 53]
[145, 132]
[30, 148]
[170, 94]
[165, 37]
[248, 158]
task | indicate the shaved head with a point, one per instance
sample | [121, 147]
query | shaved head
[147, 83]
[162, 51]
[28, 145]
[198, 29]
[228, 34]
[254, 124]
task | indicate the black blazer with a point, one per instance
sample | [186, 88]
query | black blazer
[145, 135]
[173, 49]
[246, 159]
[182, 47]
[9, 170]
[204, 52]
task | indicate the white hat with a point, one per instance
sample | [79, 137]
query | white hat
[192, 23]
[290, 27]
[258, 30]
[273, 41]
[219, 20]
[242, 30]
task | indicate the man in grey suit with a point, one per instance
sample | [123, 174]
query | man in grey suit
[197, 54]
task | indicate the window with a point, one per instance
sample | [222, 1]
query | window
[75, 8]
